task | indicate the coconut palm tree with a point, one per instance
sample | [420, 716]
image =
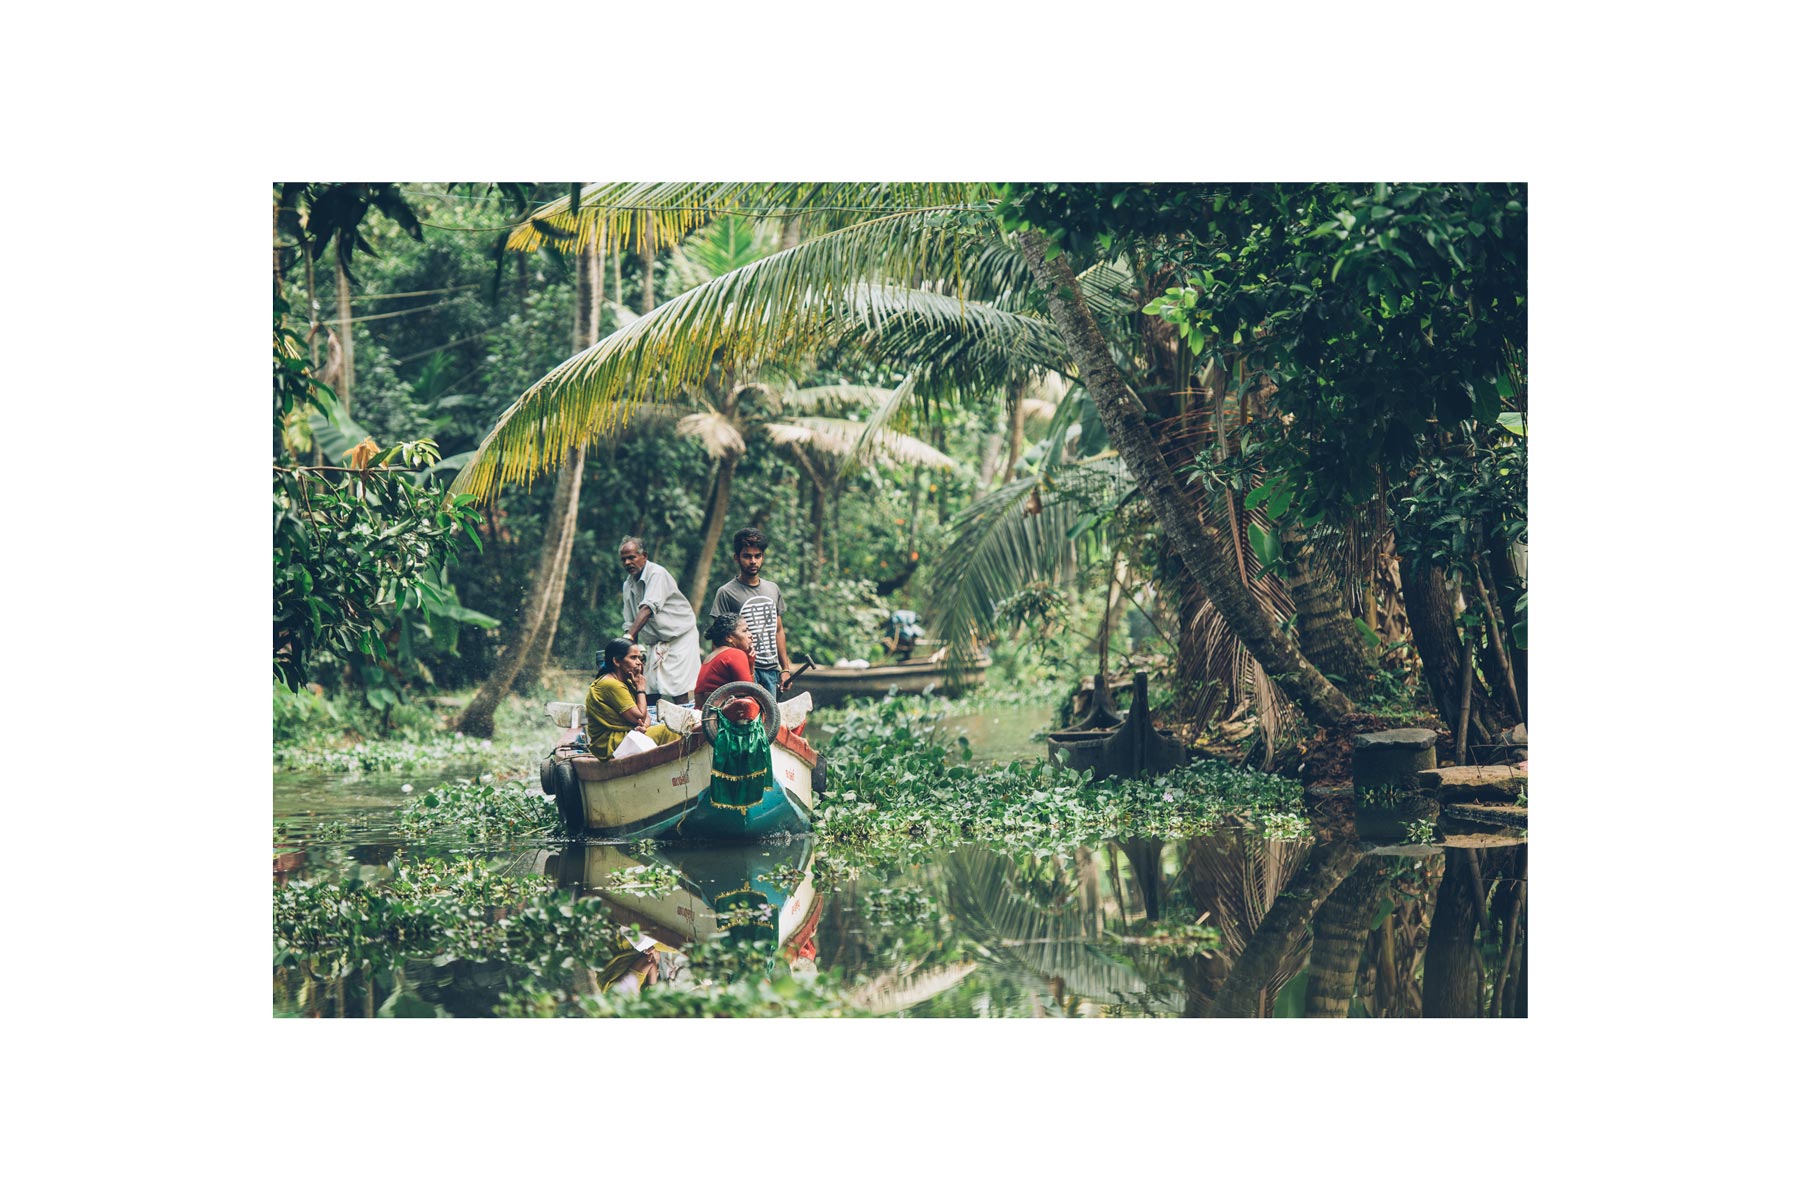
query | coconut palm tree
[850, 283]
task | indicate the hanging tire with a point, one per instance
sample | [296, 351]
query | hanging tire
[568, 799]
[709, 720]
[547, 775]
[821, 779]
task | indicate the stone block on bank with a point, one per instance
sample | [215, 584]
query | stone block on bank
[1474, 785]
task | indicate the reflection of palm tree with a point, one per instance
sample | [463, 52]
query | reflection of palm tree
[1035, 929]
[1237, 875]
[1340, 935]
[1284, 932]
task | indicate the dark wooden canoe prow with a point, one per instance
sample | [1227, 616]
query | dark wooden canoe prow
[1101, 714]
[1135, 748]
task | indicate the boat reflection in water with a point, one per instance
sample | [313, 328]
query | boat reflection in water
[747, 892]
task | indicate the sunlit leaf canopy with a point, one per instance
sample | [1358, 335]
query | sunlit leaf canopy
[648, 217]
[841, 287]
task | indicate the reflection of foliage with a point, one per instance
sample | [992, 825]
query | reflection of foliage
[902, 906]
[728, 978]
[429, 915]
[647, 879]
[1054, 947]
[1175, 939]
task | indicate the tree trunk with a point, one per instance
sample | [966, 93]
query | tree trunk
[1328, 635]
[697, 579]
[1508, 587]
[590, 287]
[1145, 857]
[346, 344]
[1284, 926]
[990, 464]
[1212, 565]
[648, 258]
[1499, 652]
[312, 309]
[1426, 593]
[1015, 428]
[1340, 933]
[478, 718]
[1452, 963]
[538, 657]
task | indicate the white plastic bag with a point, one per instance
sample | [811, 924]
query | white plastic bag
[793, 710]
[679, 717]
[635, 742]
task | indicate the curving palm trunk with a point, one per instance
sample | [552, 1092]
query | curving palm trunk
[1328, 637]
[1212, 565]
[1284, 927]
[478, 719]
[538, 656]
[590, 286]
[716, 508]
[1432, 616]
[1453, 976]
[1340, 934]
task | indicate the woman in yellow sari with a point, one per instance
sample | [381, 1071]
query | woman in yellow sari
[615, 701]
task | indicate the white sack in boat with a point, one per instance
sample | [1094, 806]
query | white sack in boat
[678, 717]
[793, 710]
[634, 742]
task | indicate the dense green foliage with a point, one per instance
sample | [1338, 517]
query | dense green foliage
[359, 553]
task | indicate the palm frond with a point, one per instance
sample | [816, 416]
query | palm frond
[1039, 413]
[785, 303]
[998, 545]
[957, 346]
[715, 432]
[1110, 288]
[843, 437]
[720, 248]
[891, 411]
[652, 216]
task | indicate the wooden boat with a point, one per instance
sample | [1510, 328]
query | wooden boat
[908, 676]
[667, 792]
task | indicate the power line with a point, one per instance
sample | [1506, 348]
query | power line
[384, 316]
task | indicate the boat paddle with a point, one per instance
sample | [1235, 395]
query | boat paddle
[806, 664]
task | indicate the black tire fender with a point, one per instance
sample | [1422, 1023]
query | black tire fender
[568, 798]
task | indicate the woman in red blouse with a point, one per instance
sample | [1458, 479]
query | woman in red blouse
[730, 661]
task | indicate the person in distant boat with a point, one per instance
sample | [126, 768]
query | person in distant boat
[615, 701]
[759, 602]
[656, 610]
[728, 663]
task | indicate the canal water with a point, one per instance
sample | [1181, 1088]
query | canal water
[1205, 926]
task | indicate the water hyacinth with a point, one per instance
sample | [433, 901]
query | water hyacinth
[901, 791]
[479, 812]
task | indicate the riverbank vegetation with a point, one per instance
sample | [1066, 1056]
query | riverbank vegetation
[1268, 441]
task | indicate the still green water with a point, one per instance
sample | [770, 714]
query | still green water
[1138, 927]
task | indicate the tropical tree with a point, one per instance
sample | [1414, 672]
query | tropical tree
[843, 282]
[359, 548]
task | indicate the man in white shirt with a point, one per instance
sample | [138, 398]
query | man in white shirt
[655, 609]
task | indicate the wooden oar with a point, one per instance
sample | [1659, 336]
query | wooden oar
[806, 664]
